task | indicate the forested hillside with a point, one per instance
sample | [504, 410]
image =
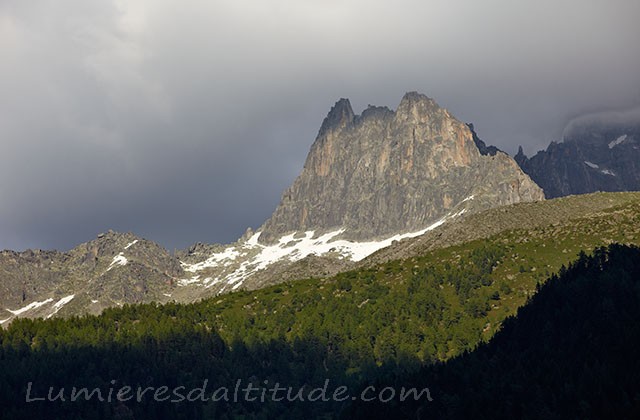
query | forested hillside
[571, 352]
[358, 329]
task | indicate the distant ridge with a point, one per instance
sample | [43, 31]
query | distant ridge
[598, 152]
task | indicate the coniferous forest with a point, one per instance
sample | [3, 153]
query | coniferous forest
[569, 352]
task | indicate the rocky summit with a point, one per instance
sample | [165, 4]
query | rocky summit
[386, 172]
[598, 153]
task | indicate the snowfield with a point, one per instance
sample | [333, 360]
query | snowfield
[292, 247]
[618, 141]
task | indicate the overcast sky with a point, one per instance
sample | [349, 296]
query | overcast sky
[183, 121]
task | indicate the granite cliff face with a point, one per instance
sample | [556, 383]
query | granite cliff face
[595, 155]
[385, 172]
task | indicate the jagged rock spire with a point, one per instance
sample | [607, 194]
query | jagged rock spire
[341, 114]
[387, 172]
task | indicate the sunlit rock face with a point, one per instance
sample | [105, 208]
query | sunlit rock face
[385, 172]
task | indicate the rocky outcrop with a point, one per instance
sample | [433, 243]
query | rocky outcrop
[595, 155]
[113, 269]
[384, 172]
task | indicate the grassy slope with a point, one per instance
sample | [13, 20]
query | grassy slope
[558, 212]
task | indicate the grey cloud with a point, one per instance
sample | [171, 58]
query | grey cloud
[619, 119]
[184, 122]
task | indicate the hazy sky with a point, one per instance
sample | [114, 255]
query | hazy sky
[184, 121]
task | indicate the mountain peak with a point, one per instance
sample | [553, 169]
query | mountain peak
[393, 172]
[415, 97]
[340, 115]
[418, 108]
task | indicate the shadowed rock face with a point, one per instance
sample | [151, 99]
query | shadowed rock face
[594, 157]
[385, 172]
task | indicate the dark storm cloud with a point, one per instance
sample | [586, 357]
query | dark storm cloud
[184, 121]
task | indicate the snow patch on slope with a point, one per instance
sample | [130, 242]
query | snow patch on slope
[618, 141]
[59, 304]
[186, 282]
[129, 245]
[30, 306]
[291, 248]
[119, 259]
[228, 255]
[604, 171]
[35, 305]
